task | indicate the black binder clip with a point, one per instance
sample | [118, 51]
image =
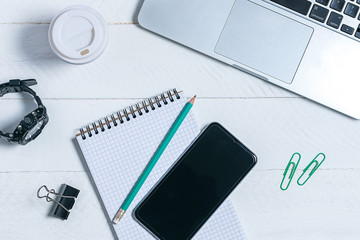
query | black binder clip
[64, 200]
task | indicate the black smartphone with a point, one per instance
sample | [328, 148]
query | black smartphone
[196, 185]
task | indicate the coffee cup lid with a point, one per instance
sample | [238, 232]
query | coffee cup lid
[78, 34]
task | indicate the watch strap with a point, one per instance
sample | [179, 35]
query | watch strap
[17, 85]
[5, 136]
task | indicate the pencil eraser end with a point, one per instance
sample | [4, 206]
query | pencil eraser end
[118, 216]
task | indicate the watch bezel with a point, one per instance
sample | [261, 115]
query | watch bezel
[31, 120]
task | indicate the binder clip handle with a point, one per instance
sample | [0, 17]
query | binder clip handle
[49, 199]
[64, 201]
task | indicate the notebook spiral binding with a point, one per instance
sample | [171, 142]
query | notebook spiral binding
[127, 113]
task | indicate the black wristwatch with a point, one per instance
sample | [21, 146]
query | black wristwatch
[33, 123]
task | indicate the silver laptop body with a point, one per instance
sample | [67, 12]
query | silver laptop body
[311, 56]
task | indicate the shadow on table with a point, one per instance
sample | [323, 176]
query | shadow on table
[136, 13]
[36, 48]
[78, 150]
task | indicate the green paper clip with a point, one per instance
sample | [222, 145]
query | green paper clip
[317, 165]
[294, 166]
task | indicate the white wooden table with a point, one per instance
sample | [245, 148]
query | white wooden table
[273, 122]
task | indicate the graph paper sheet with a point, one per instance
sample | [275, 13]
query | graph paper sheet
[117, 157]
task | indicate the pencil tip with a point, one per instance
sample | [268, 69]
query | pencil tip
[192, 100]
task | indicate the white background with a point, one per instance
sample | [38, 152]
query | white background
[272, 122]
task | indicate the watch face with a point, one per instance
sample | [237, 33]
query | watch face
[34, 131]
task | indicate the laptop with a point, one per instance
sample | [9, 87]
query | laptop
[310, 47]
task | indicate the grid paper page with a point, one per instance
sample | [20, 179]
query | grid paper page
[117, 157]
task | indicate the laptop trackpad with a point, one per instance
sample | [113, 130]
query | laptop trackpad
[264, 40]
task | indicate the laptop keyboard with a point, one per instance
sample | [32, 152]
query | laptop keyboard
[340, 15]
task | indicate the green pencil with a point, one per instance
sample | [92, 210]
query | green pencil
[153, 160]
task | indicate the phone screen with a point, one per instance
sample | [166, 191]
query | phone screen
[196, 185]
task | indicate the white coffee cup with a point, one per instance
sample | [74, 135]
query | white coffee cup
[78, 34]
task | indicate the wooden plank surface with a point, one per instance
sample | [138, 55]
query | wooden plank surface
[326, 208]
[24, 216]
[273, 122]
[42, 11]
[135, 64]
[273, 128]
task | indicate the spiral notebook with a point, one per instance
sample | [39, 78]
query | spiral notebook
[118, 147]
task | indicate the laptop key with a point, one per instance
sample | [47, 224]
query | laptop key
[337, 5]
[324, 2]
[300, 6]
[347, 29]
[357, 34]
[319, 13]
[334, 20]
[351, 10]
